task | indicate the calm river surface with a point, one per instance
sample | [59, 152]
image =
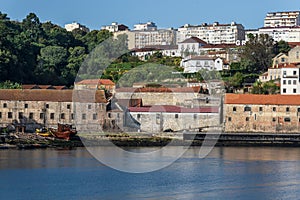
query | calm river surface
[226, 173]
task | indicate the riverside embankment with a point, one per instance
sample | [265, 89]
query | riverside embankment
[33, 141]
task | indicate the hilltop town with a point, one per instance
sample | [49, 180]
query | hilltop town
[193, 78]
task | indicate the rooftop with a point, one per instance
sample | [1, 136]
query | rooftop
[95, 82]
[53, 95]
[256, 99]
[194, 40]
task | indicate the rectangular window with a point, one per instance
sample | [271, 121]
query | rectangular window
[247, 119]
[234, 109]
[9, 115]
[294, 82]
[30, 115]
[260, 109]
[0, 115]
[284, 90]
[20, 115]
[69, 106]
[294, 91]
[176, 116]
[72, 116]
[247, 108]
[5, 105]
[47, 106]
[287, 119]
[229, 119]
[83, 116]
[274, 109]
[138, 116]
[25, 105]
[287, 109]
[294, 72]
[95, 116]
[289, 82]
[62, 116]
[284, 82]
[298, 109]
[89, 106]
[51, 115]
[41, 115]
[273, 119]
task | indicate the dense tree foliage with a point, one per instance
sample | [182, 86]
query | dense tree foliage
[43, 53]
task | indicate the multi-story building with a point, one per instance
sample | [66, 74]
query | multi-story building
[75, 25]
[290, 80]
[149, 26]
[115, 27]
[282, 19]
[143, 38]
[35, 108]
[262, 113]
[212, 33]
[288, 34]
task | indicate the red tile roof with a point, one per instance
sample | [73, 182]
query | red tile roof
[174, 109]
[194, 40]
[53, 95]
[95, 82]
[262, 99]
[285, 65]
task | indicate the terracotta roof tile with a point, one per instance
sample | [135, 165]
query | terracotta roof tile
[262, 99]
[53, 95]
[95, 82]
[194, 40]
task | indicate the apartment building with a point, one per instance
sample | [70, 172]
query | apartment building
[288, 34]
[143, 38]
[215, 33]
[282, 19]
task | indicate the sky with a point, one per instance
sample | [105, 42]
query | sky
[165, 13]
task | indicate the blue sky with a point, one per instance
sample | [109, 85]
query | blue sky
[165, 13]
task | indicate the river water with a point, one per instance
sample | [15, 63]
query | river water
[226, 173]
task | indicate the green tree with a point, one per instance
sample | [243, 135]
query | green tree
[257, 54]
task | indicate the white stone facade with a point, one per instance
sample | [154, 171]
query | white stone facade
[290, 84]
[195, 64]
[280, 19]
[213, 33]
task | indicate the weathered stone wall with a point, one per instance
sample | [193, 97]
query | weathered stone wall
[158, 122]
[262, 118]
[35, 114]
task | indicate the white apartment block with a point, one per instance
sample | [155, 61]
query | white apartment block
[213, 33]
[141, 39]
[114, 27]
[288, 34]
[282, 19]
[290, 80]
[149, 26]
[75, 25]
